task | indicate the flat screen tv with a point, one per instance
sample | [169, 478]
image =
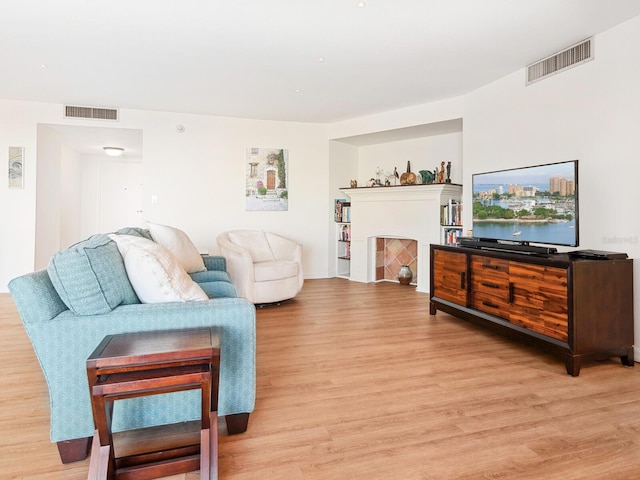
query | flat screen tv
[535, 204]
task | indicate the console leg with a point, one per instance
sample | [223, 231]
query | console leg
[627, 359]
[237, 423]
[573, 365]
[432, 309]
[74, 450]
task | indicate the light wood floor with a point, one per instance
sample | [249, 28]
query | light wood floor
[357, 381]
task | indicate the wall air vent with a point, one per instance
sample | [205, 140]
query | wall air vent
[72, 111]
[570, 57]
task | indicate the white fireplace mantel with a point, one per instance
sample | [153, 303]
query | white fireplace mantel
[408, 211]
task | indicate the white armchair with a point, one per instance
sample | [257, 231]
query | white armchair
[264, 267]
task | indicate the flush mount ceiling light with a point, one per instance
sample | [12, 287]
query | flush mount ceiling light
[113, 151]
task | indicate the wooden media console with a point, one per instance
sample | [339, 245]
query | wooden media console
[577, 308]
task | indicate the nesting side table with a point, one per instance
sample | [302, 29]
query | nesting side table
[148, 363]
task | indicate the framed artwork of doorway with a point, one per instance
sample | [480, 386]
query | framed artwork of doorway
[266, 179]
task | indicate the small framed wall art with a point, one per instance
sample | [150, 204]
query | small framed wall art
[16, 167]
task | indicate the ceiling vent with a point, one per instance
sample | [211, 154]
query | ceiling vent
[71, 111]
[568, 58]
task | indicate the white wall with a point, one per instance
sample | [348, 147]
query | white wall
[70, 197]
[592, 113]
[424, 153]
[48, 196]
[198, 177]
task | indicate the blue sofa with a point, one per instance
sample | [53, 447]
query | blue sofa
[85, 295]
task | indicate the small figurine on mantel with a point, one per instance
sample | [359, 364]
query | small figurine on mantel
[441, 173]
[354, 183]
[448, 180]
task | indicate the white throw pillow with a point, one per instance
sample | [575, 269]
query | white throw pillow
[154, 273]
[255, 241]
[178, 243]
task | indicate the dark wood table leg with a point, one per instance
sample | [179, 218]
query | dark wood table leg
[100, 458]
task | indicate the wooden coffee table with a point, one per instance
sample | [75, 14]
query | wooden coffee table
[149, 363]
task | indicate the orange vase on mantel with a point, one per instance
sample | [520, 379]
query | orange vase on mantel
[408, 177]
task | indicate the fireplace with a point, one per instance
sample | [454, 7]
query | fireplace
[409, 212]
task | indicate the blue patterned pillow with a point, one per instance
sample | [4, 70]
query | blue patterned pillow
[136, 231]
[90, 276]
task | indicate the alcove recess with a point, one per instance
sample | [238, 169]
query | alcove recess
[407, 212]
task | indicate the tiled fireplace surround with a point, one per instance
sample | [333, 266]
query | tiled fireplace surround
[392, 253]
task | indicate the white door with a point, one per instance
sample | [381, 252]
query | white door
[120, 196]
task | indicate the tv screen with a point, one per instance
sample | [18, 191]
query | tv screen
[536, 204]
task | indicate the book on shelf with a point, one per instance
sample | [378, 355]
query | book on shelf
[346, 213]
[341, 210]
[345, 251]
[451, 213]
[344, 234]
[452, 236]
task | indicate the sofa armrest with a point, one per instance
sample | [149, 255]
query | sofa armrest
[36, 298]
[215, 262]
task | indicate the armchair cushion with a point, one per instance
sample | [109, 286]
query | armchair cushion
[255, 242]
[155, 273]
[276, 270]
[90, 277]
[179, 244]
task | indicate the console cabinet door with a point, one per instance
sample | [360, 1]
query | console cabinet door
[490, 285]
[450, 276]
[539, 299]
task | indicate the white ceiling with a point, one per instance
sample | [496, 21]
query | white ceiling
[92, 140]
[247, 58]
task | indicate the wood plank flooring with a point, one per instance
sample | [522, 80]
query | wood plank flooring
[358, 381]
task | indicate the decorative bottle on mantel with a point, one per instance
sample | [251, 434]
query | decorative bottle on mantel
[405, 275]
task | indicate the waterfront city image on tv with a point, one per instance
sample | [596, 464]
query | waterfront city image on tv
[537, 204]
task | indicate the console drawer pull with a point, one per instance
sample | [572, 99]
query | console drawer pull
[490, 285]
[489, 304]
[510, 292]
[486, 265]
[463, 280]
